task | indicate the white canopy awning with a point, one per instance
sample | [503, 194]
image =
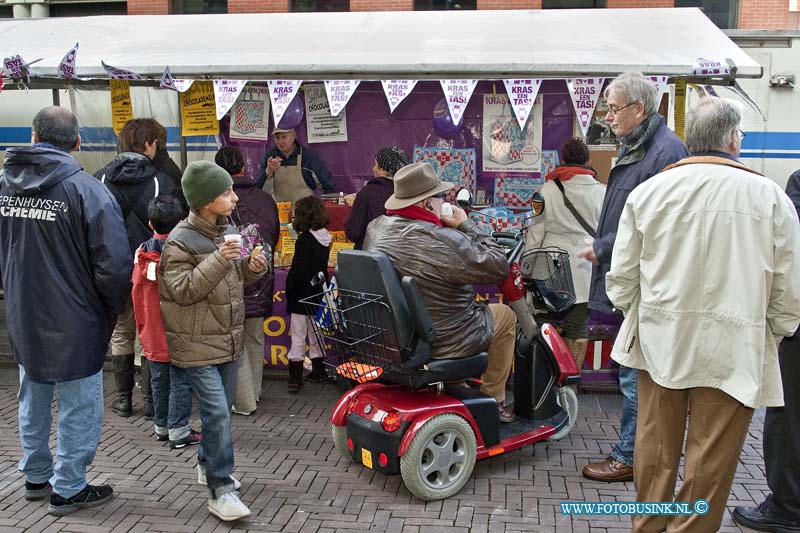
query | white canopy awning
[381, 45]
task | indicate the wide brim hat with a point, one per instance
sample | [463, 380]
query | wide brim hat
[414, 183]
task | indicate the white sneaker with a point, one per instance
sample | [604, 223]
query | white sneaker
[228, 507]
[201, 478]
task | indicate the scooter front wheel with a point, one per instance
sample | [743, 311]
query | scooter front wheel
[440, 458]
[568, 400]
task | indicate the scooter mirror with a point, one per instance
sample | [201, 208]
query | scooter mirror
[464, 198]
[537, 203]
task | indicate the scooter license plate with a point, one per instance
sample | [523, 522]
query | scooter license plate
[366, 457]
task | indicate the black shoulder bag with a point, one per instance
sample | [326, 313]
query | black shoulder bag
[574, 211]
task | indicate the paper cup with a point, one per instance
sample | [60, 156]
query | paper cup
[234, 237]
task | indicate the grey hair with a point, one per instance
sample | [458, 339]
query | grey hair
[711, 125]
[636, 88]
[57, 126]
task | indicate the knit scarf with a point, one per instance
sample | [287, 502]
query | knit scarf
[416, 213]
[642, 133]
[566, 172]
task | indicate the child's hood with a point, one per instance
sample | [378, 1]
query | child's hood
[322, 236]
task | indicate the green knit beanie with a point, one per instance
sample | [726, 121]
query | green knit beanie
[202, 182]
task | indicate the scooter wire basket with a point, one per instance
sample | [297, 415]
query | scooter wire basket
[356, 333]
[547, 274]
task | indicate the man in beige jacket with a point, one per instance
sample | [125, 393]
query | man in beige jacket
[706, 269]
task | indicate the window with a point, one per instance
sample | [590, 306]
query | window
[723, 13]
[6, 12]
[309, 6]
[74, 9]
[199, 7]
[445, 5]
[573, 4]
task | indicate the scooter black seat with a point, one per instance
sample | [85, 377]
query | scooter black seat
[437, 370]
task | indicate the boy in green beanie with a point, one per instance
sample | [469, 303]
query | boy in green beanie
[201, 284]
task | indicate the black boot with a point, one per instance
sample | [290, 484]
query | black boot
[123, 375]
[147, 390]
[318, 373]
[295, 376]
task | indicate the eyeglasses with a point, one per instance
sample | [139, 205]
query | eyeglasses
[741, 135]
[613, 112]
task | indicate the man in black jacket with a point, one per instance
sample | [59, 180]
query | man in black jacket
[780, 511]
[134, 181]
[66, 276]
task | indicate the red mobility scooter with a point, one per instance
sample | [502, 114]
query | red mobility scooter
[398, 415]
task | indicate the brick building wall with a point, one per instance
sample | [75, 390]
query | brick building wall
[763, 14]
[753, 14]
[509, 4]
[254, 6]
[381, 5]
[149, 7]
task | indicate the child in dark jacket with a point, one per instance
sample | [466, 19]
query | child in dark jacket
[172, 394]
[310, 257]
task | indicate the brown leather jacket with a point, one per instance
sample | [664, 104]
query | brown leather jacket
[202, 294]
[444, 262]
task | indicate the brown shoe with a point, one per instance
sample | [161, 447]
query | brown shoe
[608, 470]
[506, 413]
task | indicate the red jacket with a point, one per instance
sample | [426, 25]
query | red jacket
[146, 305]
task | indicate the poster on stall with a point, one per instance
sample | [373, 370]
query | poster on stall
[225, 93]
[453, 165]
[121, 106]
[250, 115]
[710, 67]
[660, 82]
[322, 126]
[599, 131]
[506, 147]
[198, 110]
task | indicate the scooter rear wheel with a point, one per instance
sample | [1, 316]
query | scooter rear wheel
[568, 400]
[339, 434]
[440, 458]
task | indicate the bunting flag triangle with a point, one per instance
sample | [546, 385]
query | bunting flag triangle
[585, 93]
[281, 94]
[457, 93]
[339, 93]
[66, 69]
[225, 94]
[396, 91]
[522, 94]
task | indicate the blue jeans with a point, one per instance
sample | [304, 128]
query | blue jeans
[172, 399]
[623, 450]
[215, 387]
[80, 415]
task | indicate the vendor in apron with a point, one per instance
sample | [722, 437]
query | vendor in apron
[290, 171]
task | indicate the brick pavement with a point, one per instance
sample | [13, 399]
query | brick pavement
[294, 481]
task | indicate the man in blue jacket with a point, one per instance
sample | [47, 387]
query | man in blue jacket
[290, 171]
[647, 147]
[66, 270]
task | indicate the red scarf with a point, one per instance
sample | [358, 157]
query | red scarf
[567, 171]
[417, 213]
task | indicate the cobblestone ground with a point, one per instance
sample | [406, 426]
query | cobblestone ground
[293, 480]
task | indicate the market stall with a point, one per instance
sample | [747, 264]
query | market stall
[486, 97]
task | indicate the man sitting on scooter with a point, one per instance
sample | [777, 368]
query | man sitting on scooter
[445, 254]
